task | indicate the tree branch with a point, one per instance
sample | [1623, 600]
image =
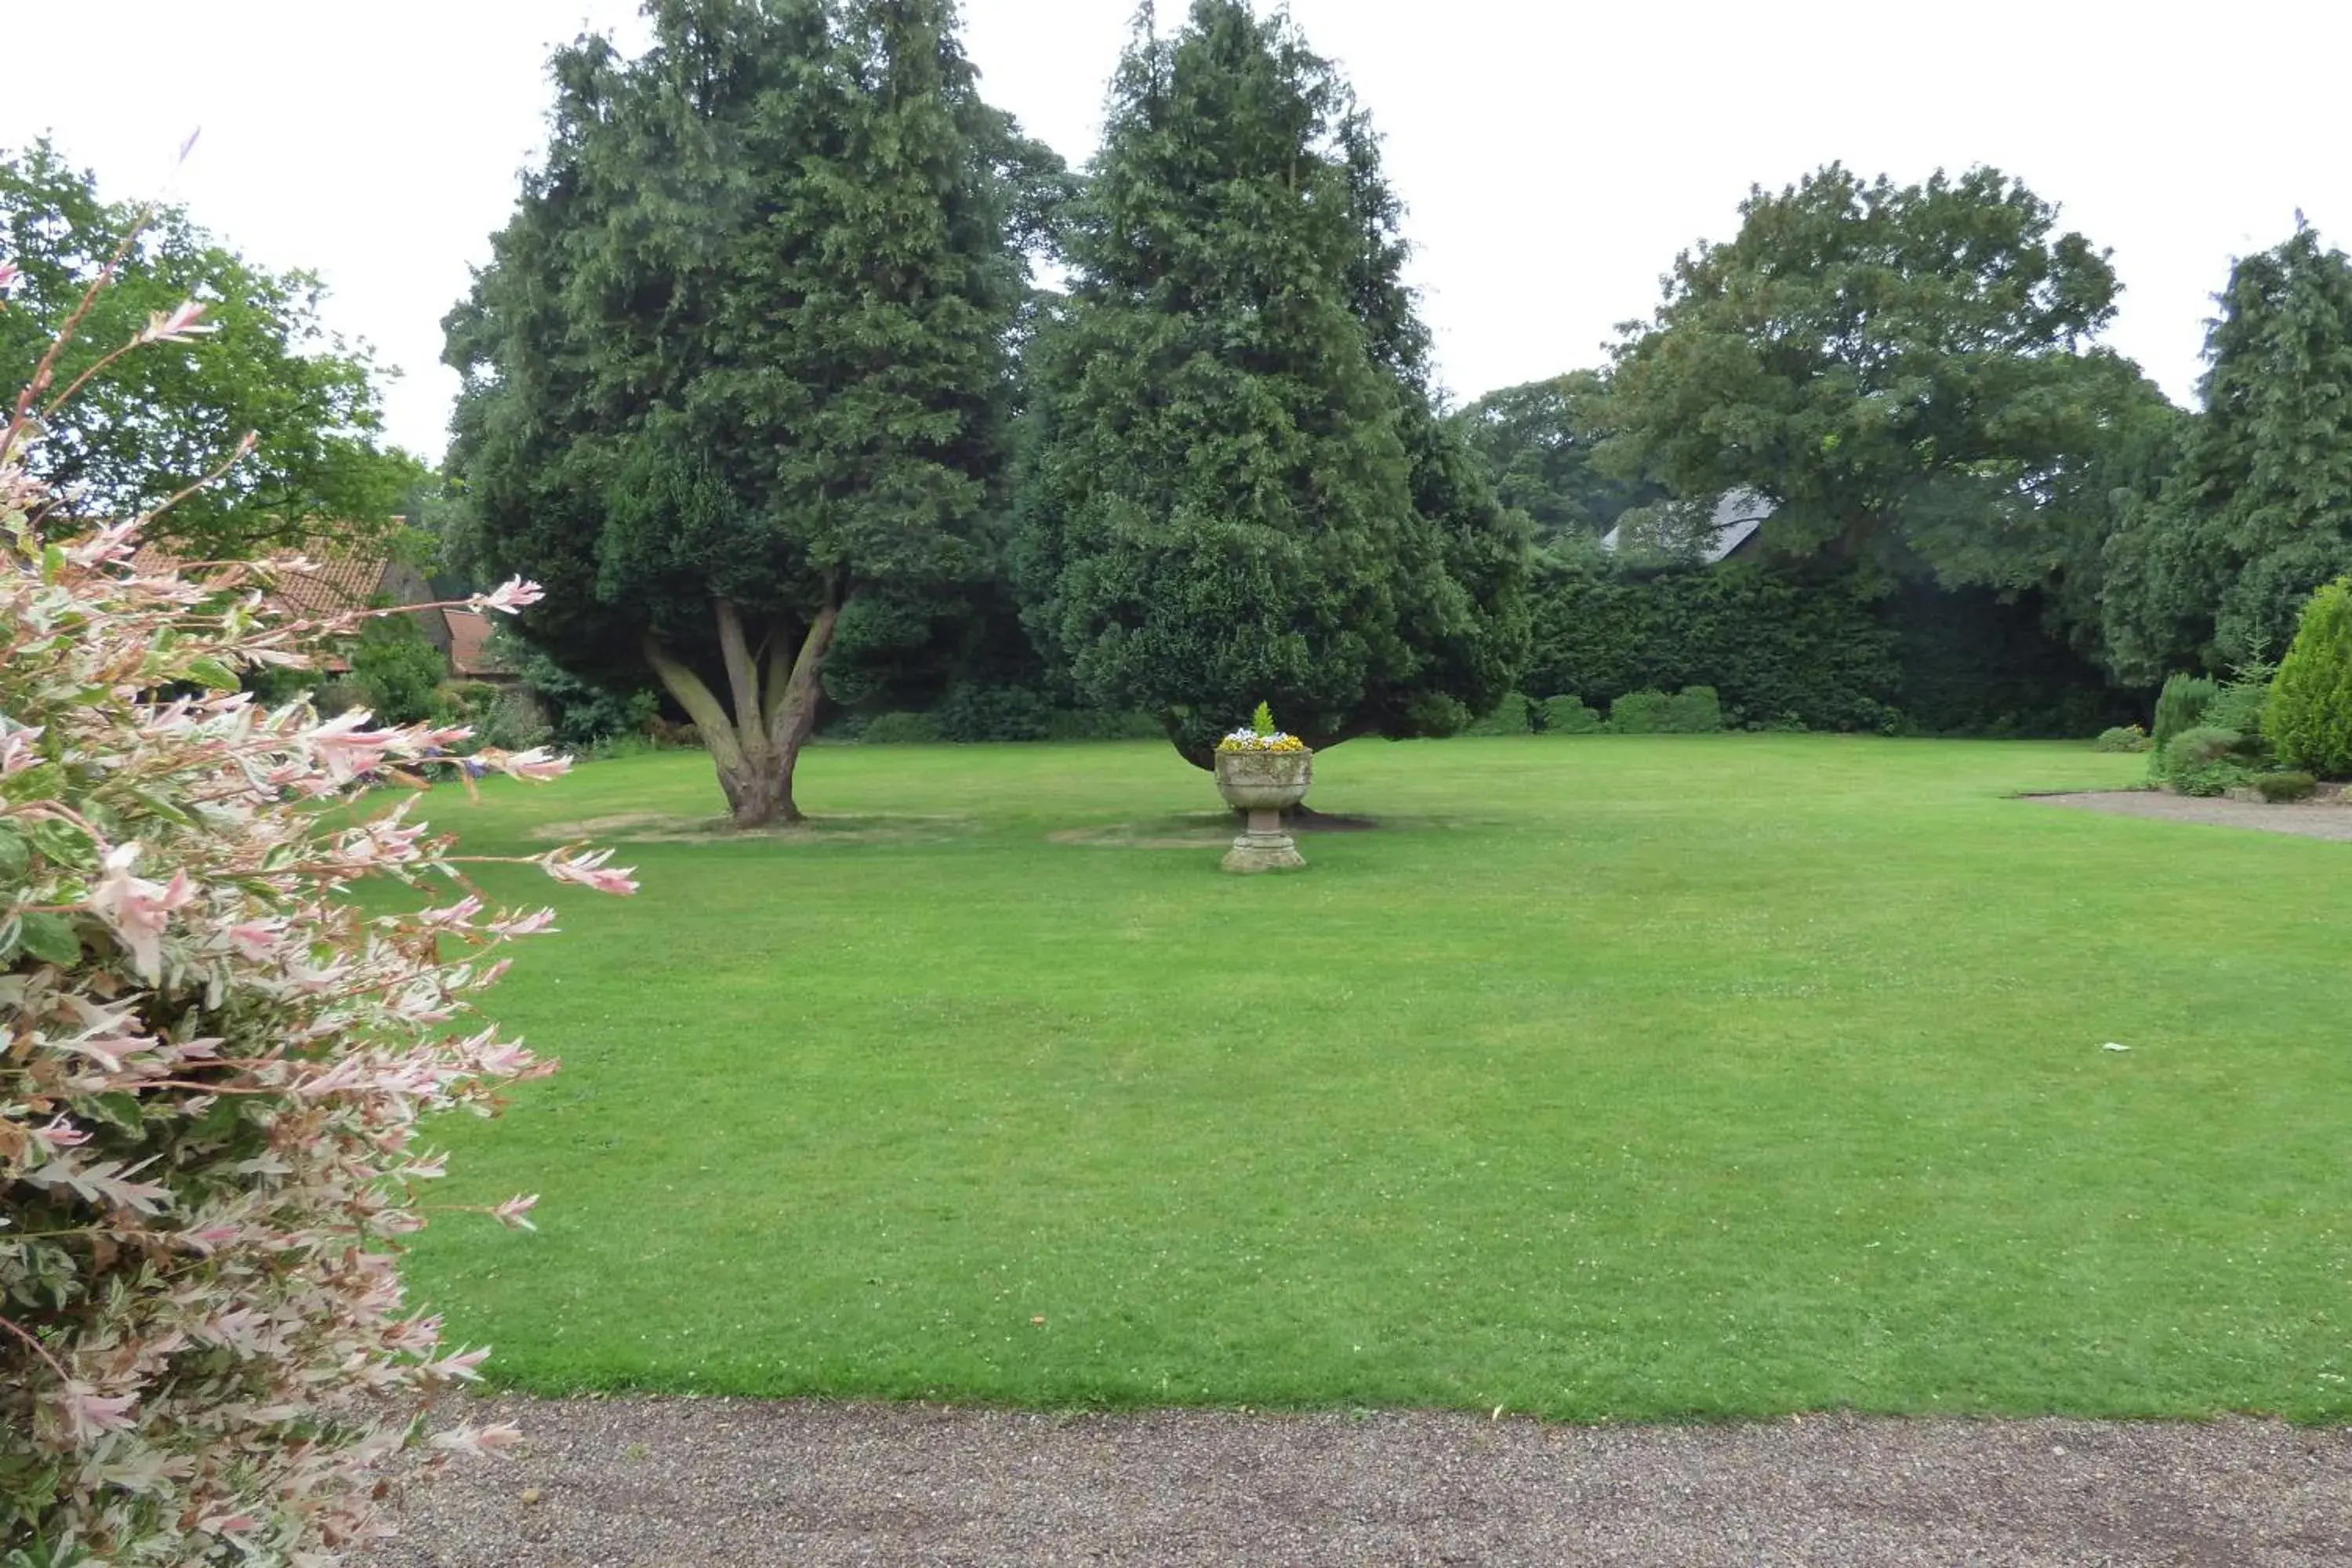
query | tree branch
[742, 671]
[700, 705]
[796, 716]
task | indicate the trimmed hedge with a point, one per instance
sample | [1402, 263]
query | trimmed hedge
[1513, 716]
[1780, 654]
[1569, 716]
[1807, 649]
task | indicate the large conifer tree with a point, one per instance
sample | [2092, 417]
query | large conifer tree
[1236, 488]
[741, 356]
[2258, 512]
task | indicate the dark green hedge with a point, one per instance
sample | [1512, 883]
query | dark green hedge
[1778, 653]
[1789, 649]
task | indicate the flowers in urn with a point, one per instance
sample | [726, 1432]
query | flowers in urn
[1260, 735]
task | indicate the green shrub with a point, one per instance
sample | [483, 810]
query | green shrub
[1512, 716]
[2181, 706]
[1695, 710]
[1568, 715]
[2123, 738]
[2240, 704]
[973, 712]
[1641, 713]
[2309, 715]
[2277, 787]
[2198, 747]
[517, 720]
[465, 702]
[901, 729]
[399, 672]
[337, 695]
[2200, 761]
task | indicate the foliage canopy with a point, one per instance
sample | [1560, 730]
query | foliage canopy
[2258, 512]
[2309, 717]
[1237, 486]
[1907, 372]
[153, 423]
[743, 356]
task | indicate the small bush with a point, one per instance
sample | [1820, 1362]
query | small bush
[2309, 715]
[1695, 710]
[2280, 787]
[901, 729]
[2198, 747]
[1512, 716]
[468, 702]
[2239, 705]
[2123, 738]
[517, 720]
[399, 673]
[2200, 761]
[1641, 713]
[1568, 716]
[2181, 706]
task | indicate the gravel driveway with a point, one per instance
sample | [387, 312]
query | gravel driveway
[2326, 819]
[687, 1483]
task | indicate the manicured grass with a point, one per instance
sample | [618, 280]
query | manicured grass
[1617, 1078]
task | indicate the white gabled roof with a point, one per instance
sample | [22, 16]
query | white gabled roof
[1738, 513]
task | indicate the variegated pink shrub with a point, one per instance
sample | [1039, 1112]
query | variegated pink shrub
[213, 1061]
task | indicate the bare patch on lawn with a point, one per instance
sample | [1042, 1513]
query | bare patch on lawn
[657, 828]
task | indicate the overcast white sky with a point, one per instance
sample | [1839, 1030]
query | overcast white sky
[1555, 154]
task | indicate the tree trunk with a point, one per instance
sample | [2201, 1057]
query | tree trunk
[754, 740]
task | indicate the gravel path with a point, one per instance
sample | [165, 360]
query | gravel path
[2322, 820]
[719, 1483]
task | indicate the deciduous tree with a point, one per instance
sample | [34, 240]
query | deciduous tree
[149, 424]
[1536, 443]
[1909, 373]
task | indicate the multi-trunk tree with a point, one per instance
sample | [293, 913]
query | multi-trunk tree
[148, 425]
[2258, 513]
[743, 353]
[1237, 488]
[1909, 373]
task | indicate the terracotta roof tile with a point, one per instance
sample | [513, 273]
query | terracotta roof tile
[469, 653]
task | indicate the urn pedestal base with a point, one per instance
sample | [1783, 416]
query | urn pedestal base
[1264, 848]
[1263, 783]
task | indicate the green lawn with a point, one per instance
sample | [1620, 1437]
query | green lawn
[1616, 1078]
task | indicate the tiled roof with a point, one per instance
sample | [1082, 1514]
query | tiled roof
[339, 582]
[470, 652]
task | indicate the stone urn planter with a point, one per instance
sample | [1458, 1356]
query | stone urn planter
[1263, 783]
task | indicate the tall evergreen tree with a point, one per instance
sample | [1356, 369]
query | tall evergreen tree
[1237, 486]
[2258, 512]
[743, 354]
